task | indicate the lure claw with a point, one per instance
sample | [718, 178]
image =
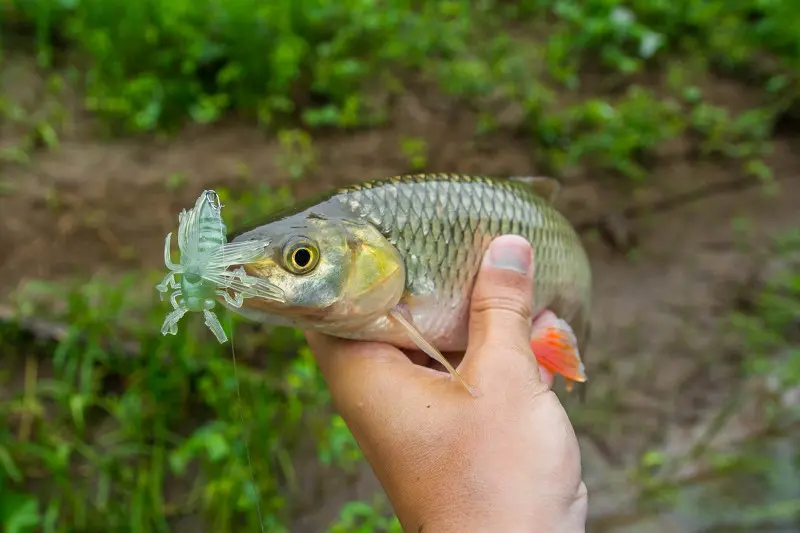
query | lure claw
[213, 324]
[170, 326]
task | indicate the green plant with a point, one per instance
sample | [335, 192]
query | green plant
[416, 151]
[297, 153]
[770, 330]
[19, 511]
[131, 413]
[253, 204]
[360, 517]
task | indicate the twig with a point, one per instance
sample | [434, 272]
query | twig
[50, 331]
[41, 329]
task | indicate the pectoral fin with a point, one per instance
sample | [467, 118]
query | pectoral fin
[403, 318]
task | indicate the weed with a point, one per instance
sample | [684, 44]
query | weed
[176, 180]
[360, 517]
[416, 151]
[151, 462]
[297, 153]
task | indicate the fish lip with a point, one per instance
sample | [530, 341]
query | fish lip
[292, 313]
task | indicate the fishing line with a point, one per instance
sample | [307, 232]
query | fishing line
[239, 402]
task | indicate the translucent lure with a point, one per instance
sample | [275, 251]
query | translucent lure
[205, 257]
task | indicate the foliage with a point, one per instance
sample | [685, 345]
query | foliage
[771, 329]
[118, 414]
[297, 156]
[155, 63]
[360, 517]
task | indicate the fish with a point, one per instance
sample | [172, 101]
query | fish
[395, 259]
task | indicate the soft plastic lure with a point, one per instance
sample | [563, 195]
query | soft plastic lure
[204, 262]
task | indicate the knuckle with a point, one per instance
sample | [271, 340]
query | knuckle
[512, 304]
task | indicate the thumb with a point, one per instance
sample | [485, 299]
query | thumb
[501, 313]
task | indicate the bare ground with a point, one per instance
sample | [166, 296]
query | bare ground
[659, 361]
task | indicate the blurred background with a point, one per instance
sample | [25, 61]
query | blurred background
[673, 126]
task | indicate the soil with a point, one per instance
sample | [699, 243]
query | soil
[659, 361]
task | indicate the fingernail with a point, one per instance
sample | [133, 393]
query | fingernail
[510, 252]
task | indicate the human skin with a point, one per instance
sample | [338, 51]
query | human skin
[507, 461]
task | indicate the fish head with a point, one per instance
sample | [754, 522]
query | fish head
[334, 273]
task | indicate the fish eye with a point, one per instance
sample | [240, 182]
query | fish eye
[301, 255]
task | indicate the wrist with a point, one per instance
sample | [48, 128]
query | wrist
[493, 518]
[443, 525]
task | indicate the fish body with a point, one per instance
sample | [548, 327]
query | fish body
[395, 260]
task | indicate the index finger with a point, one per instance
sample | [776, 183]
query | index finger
[361, 371]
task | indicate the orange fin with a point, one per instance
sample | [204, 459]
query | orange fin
[555, 347]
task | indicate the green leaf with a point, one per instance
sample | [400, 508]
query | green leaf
[19, 512]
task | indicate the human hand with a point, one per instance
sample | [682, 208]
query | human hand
[507, 461]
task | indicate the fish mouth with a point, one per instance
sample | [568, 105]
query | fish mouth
[276, 313]
[281, 308]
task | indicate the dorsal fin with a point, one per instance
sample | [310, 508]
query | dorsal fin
[547, 188]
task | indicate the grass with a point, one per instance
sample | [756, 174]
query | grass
[118, 423]
[116, 428]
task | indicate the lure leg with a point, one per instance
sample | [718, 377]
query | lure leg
[170, 325]
[168, 254]
[244, 277]
[166, 284]
[236, 301]
[174, 299]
